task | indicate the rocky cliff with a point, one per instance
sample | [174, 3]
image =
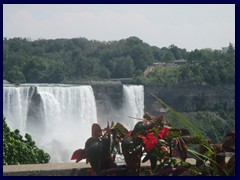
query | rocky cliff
[181, 98]
[190, 98]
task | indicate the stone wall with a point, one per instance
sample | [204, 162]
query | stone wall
[59, 169]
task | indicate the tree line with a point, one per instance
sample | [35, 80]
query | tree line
[204, 67]
[77, 59]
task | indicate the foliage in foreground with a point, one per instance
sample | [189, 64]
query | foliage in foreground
[205, 121]
[166, 147]
[17, 150]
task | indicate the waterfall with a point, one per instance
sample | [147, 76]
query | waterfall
[67, 114]
[70, 112]
[15, 103]
[133, 104]
[59, 117]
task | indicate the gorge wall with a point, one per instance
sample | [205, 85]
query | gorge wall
[181, 98]
[190, 98]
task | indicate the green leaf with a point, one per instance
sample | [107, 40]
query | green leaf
[16, 150]
[139, 127]
[187, 123]
[121, 129]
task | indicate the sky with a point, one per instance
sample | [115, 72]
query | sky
[190, 26]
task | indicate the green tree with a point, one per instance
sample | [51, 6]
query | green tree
[123, 67]
[56, 72]
[15, 75]
[35, 70]
[141, 56]
[167, 56]
[156, 53]
[72, 60]
[17, 150]
[177, 52]
[102, 72]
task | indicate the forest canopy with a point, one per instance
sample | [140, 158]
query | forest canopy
[79, 59]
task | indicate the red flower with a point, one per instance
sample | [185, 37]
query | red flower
[164, 132]
[150, 141]
[130, 132]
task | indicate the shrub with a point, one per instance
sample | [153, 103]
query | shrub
[17, 150]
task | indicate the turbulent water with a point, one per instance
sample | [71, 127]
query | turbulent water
[133, 96]
[59, 117]
[15, 105]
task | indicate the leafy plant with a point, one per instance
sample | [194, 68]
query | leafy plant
[166, 147]
[17, 150]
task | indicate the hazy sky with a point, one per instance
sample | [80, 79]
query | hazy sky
[186, 26]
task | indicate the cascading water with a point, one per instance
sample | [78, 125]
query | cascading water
[15, 103]
[133, 107]
[70, 111]
[59, 117]
[64, 117]
[133, 104]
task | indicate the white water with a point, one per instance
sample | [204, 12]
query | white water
[68, 115]
[64, 116]
[133, 104]
[15, 103]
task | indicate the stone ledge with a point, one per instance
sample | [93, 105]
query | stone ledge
[58, 169]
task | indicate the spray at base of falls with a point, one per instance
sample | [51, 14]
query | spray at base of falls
[59, 117]
[133, 104]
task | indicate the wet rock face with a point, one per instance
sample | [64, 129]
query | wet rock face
[108, 101]
[110, 93]
[190, 98]
[35, 114]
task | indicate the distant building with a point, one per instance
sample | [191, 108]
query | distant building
[180, 61]
[159, 64]
[156, 65]
[171, 63]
